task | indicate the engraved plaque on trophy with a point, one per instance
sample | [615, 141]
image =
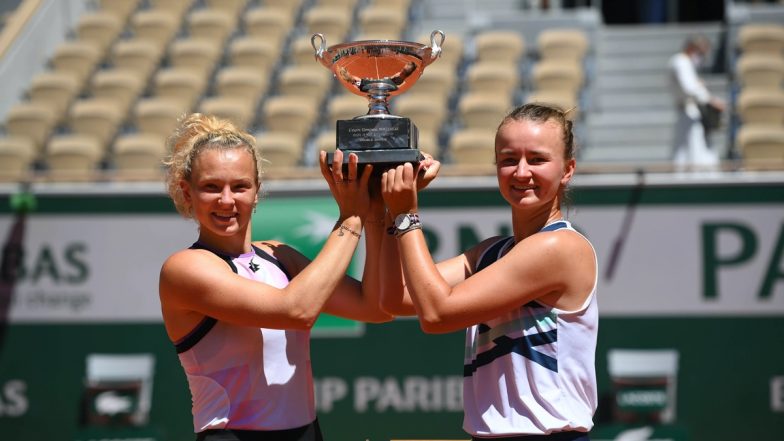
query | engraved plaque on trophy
[378, 70]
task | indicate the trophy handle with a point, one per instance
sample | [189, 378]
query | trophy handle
[321, 47]
[435, 46]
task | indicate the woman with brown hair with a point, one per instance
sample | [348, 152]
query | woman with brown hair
[527, 301]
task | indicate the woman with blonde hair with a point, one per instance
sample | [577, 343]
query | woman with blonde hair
[238, 312]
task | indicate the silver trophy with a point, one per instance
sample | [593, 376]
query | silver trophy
[378, 70]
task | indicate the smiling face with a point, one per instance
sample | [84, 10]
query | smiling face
[222, 192]
[531, 165]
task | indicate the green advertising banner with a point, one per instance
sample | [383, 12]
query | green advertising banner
[691, 297]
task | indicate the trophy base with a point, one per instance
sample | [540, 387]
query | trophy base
[376, 133]
[383, 142]
[381, 159]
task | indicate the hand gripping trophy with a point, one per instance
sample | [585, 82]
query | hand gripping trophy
[378, 70]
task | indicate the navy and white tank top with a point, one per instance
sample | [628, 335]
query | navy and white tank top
[531, 370]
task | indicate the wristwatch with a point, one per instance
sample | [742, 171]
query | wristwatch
[406, 222]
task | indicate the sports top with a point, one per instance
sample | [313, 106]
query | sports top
[531, 370]
[248, 378]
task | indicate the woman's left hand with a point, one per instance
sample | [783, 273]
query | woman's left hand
[428, 170]
[399, 189]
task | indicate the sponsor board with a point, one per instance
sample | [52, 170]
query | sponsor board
[689, 261]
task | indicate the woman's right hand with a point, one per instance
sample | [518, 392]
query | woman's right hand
[351, 194]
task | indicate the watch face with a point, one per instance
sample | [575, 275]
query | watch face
[402, 222]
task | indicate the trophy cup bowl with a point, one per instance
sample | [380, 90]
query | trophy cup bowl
[378, 70]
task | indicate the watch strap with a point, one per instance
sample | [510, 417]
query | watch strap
[413, 224]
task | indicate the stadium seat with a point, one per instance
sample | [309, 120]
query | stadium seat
[377, 22]
[310, 83]
[483, 110]
[472, 146]
[138, 156]
[56, 89]
[233, 7]
[238, 110]
[759, 70]
[289, 6]
[759, 106]
[78, 57]
[73, 157]
[428, 143]
[762, 38]
[241, 82]
[557, 74]
[761, 146]
[396, 4]
[326, 140]
[438, 81]
[16, 158]
[99, 27]
[347, 5]
[157, 25]
[426, 113]
[373, 35]
[157, 115]
[333, 23]
[565, 43]
[197, 53]
[344, 107]
[175, 7]
[136, 54]
[492, 77]
[121, 9]
[210, 24]
[289, 114]
[280, 149]
[34, 121]
[183, 85]
[268, 24]
[121, 86]
[254, 52]
[499, 46]
[400, 5]
[301, 52]
[99, 118]
[452, 50]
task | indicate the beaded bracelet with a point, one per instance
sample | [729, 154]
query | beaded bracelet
[343, 228]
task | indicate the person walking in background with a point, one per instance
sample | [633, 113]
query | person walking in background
[691, 150]
[528, 301]
[239, 313]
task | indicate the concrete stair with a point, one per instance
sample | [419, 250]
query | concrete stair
[631, 115]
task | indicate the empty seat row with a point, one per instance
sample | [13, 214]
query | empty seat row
[761, 38]
[760, 101]
[167, 58]
[508, 46]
